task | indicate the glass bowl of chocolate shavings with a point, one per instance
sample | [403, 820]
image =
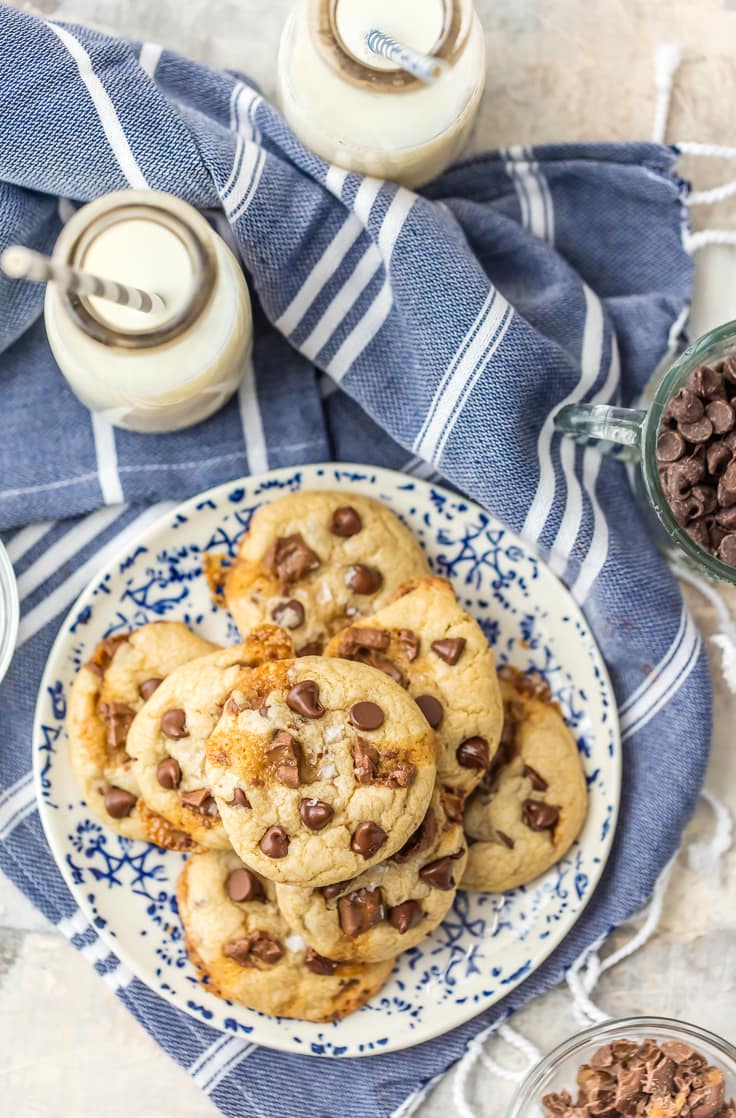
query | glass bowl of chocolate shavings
[640, 1067]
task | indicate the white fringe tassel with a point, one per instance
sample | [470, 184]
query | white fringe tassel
[725, 638]
[706, 857]
[667, 59]
[582, 985]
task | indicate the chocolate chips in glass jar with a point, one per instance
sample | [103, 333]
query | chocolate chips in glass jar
[696, 457]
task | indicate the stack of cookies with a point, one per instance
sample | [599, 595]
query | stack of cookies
[339, 773]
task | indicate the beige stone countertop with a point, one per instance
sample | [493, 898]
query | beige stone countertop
[557, 70]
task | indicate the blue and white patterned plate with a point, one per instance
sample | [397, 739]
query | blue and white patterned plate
[487, 944]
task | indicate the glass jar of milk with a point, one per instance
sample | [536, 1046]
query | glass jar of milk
[358, 109]
[157, 371]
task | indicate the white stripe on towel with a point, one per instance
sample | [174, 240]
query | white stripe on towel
[107, 460]
[105, 109]
[64, 594]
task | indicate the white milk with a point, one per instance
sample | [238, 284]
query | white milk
[356, 109]
[160, 371]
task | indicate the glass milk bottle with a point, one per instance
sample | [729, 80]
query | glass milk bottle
[169, 368]
[360, 110]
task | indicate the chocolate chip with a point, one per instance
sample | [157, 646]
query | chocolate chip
[405, 916]
[289, 615]
[685, 407]
[726, 517]
[318, 964]
[366, 716]
[539, 816]
[505, 839]
[275, 843]
[362, 579]
[259, 945]
[705, 496]
[239, 799]
[283, 755]
[431, 708]
[677, 1050]
[173, 724]
[382, 664]
[539, 784]
[239, 951]
[118, 802]
[717, 457]
[449, 649]
[473, 753]
[670, 446]
[368, 838]
[360, 911]
[345, 522]
[403, 776]
[423, 838]
[411, 643]
[315, 814]
[699, 431]
[148, 686]
[680, 477]
[365, 761]
[119, 718]
[727, 486]
[291, 558]
[304, 699]
[707, 382]
[438, 874]
[727, 550]
[168, 773]
[312, 648]
[242, 885]
[698, 532]
[721, 415]
[265, 947]
[329, 892]
[197, 798]
[367, 638]
[728, 368]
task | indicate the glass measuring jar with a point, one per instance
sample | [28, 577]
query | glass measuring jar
[637, 430]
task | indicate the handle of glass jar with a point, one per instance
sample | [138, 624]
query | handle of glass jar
[616, 431]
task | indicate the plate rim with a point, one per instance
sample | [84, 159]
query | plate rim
[403, 1040]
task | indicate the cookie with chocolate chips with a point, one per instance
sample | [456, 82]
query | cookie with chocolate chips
[311, 561]
[108, 692]
[532, 804]
[391, 906]
[169, 739]
[337, 764]
[425, 641]
[244, 950]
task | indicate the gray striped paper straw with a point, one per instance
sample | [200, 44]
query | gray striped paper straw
[20, 262]
[422, 66]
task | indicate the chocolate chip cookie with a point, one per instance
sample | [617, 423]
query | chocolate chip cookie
[391, 906]
[320, 769]
[168, 739]
[532, 804]
[245, 952]
[425, 641]
[311, 561]
[107, 693]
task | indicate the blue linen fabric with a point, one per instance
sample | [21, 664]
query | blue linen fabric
[451, 323]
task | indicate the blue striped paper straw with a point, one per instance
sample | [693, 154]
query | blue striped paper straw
[422, 66]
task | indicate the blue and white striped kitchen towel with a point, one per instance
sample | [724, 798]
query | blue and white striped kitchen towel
[451, 323]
